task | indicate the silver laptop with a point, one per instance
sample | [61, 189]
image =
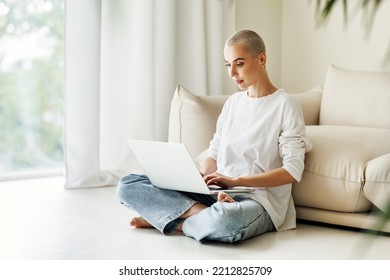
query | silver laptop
[170, 166]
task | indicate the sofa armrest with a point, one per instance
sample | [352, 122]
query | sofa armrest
[310, 102]
[377, 181]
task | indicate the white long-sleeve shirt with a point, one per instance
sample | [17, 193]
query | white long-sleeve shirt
[255, 135]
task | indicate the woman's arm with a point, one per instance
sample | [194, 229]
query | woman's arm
[272, 178]
[209, 166]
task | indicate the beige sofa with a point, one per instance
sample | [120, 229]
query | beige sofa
[347, 174]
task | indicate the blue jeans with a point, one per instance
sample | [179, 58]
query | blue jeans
[221, 221]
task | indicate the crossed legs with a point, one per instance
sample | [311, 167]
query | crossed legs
[140, 222]
[202, 217]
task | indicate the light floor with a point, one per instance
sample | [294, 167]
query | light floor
[41, 220]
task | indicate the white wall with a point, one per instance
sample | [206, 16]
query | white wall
[264, 17]
[302, 50]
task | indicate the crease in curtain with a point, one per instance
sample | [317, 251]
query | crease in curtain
[124, 59]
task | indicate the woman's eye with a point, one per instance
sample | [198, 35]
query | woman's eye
[236, 64]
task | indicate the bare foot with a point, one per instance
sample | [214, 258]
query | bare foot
[224, 197]
[139, 222]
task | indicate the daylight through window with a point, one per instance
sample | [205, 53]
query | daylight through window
[31, 86]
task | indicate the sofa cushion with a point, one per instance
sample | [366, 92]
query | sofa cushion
[193, 118]
[356, 98]
[333, 175]
[310, 102]
[377, 181]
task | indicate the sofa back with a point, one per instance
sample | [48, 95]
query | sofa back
[355, 98]
[193, 117]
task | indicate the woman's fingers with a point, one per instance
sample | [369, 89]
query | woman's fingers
[224, 197]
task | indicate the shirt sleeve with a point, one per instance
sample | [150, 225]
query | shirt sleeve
[293, 143]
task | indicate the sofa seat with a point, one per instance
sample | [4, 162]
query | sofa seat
[334, 175]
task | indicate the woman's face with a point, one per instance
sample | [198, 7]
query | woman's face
[244, 69]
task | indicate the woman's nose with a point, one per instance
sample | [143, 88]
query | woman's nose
[232, 71]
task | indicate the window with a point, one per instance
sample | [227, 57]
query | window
[31, 86]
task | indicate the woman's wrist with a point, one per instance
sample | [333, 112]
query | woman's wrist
[250, 181]
[240, 181]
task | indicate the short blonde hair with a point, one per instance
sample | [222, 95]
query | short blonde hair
[248, 39]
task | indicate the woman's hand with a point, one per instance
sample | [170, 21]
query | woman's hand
[220, 180]
[224, 197]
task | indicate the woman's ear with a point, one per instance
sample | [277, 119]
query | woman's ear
[262, 58]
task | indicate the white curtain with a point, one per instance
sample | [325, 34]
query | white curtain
[124, 59]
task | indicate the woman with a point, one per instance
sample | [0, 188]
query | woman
[259, 142]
